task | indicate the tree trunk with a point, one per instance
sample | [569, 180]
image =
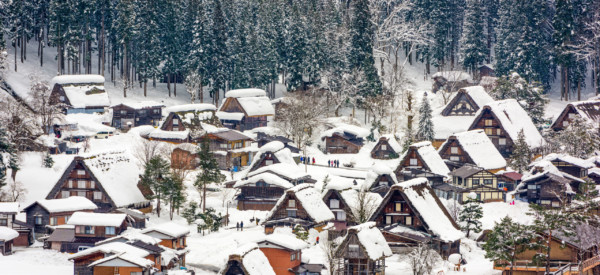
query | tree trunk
[16, 56]
[158, 205]
[175, 86]
[169, 83]
[145, 82]
[204, 197]
[124, 73]
[201, 95]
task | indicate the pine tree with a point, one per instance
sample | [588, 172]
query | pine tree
[155, 174]
[473, 47]
[124, 26]
[521, 154]
[173, 193]
[507, 240]
[48, 161]
[209, 171]
[6, 148]
[218, 62]
[578, 139]
[471, 214]
[425, 131]
[361, 47]
[147, 41]
[529, 94]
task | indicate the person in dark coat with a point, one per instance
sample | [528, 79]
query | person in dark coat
[237, 226]
[242, 226]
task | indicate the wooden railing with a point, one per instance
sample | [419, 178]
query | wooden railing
[557, 268]
[590, 263]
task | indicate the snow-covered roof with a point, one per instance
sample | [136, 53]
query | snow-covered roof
[391, 139]
[131, 234]
[9, 207]
[253, 260]
[78, 79]
[111, 248]
[284, 240]
[586, 164]
[141, 104]
[69, 204]
[184, 108]
[430, 157]
[378, 170]
[372, 240]
[429, 207]
[97, 219]
[480, 149]
[90, 124]
[175, 135]
[7, 234]
[288, 170]
[268, 178]
[257, 106]
[513, 118]
[445, 126]
[252, 92]
[230, 116]
[119, 175]
[311, 201]
[542, 168]
[87, 96]
[453, 76]
[170, 229]
[342, 128]
[478, 94]
[133, 259]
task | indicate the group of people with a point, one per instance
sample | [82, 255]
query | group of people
[307, 160]
[333, 163]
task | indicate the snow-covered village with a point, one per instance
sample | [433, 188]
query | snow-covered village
[277, 137]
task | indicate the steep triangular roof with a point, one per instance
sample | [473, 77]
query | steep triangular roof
[476, 96]
[429, 156]
[250, 259]
[391, 141]
[425, 203]
[589, 110]
[310, 200]
[370, 239]
[478, 147]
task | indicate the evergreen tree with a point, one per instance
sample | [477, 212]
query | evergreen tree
[147, 41]
[361, 47]
[48, 161]
[471, 214]
[579, 139]
[155, 174]
[473, 48]
[425, 131]
[521, 154]
[124, 26]
[209, 171]
[507, 240]
[6, 149]
[173, 193]
[529, 94]
[218, 61]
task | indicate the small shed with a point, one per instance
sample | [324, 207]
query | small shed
[7, 235]
[248, 260]
[386, 148]
[362, 251]
[79, 93]
[344, 139]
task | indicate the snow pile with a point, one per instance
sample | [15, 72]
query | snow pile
[287, 241]
[513, 118]
[111, 248]
[272, 146]
[257, 106]
[97, 219]
[7, 234]
[119, 175]
[77, 79]
[185, 108]
[87, 124]
[170, 229]
[230, 116]
[429, 207]
[252, 92]
[342, 128]
[478, 94]
[445, 126]
[127, 257]
[480, 149]
[69, 204]
[430, 157]
[453, 76]
[253, 260]
[342, 183]
[287, 170]
[9, 207]
[87, 96]
[131, 234]
[310, 200]
[554, 157]
[372, 240]
[268, 178]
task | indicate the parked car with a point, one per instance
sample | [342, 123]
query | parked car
[104, 134]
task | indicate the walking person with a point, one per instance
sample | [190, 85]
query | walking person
[313, 161]
[242, 226]
[237, 226]
[317, 239]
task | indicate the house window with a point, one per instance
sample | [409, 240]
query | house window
[545, 202]
[291, 213]
[565, 123]
[531, 187]
[488, 181]
[340, 215]
[97, 195]
[413, 162]
[398, 207]
[475, 181]
[109, 230]
[92, 184]
[408, 220]
[488, 122]
[388, 219]
[269, 162]
[53, 220]
[334, 203]
[3, 222]
[67, 219]
[489, 131]
[454, 158]
[81, 172]
[81, 184]
[383, 147]
[383, 183]
[81, 193]
[223, 145]
[500, 185]
[555, 204]
[123, 112]
[156, 111]
[501, 141]
[70, 183]
[498, 131]
[88, 230]
[572, 115]
[175, 121]
[453, 150]
[238, 144]
[82, 248]
[353, 248]
[38, 220]
[61, 98]
[293, 257]
[64, 194]
[175, 128]
[142, 112]
[292, 203]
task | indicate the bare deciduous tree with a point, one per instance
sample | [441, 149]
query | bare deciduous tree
[422, 259]
[13, 192]
[146, 150]
[39, 101]
[329, 249]
[365, 206]
[300, 114]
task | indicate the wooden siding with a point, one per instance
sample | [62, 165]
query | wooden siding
[379, 152]
[146, 116]
[494, 131]
[459, 156]
[231, 105]
[280, 259]
[338, 145]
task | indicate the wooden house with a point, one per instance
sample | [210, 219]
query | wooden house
[546, 185]
[185, 156]
[479, 181]
[421, 159]
[247, 260]
[467, 101]
[301, 205]
[261, 191]
[573, 166]
[8, 211]
[61, 238]
[412, 214]
[79, 93]
[185, 123]
[172, 236]
[93, 227]
[117, 258]
[135, 218]
[7, 235]
[380, 179]
[588, 110]
[245, 109]
[283, 252]
[43, 215]
[450, 81]
[508, 180]
[271, 153]
[344, 139]
[231, 148]
[386, 148]
[473, 148]
[105, 179]
[345, 205]
[362, 251]
[574, 254]
[486, 70]
[262, 139]
[128, 115]
[502, 121]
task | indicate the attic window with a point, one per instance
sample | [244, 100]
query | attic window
[334, 203]
[123, 112]
[383, 147]
[413, 162]
[383, 182]
[501, 141]
[572, 115]
[488, 122]
[61, 98]
[175, 121]
[353, 248]
[292, 203]
[454, 158]
[156, 111]
[408, 220]
[565, 123]
[269, 162]
[453, 150]
[81, 172]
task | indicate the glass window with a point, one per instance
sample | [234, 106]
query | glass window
[156, 111]
[489, 131]
[341, 215]
[398, 207]
[97, 195]
[408, 220]
[269, 162]
[454, 158]
[53, 221]
[572, 115]
[64, 194]
[291, 213]
[3, 222]
[109, 230]
[92, 184]
[88, 230]
[334, 203]
[123, 112]
[81, 193]
[82, 248]
[61, 98]
[223, 145]
[81, 172]
[38, 220]
[81, 184]
[388, 219]
[501, 141]
[293, 257]
[531, 187]
[555, 204]
[453, 150]
[475, 181]
[383, 147]
[292, 203]
[545, 202]
[353, 248]
[488, 122]
[175, 128]
[175, 121]
[383, 182]
[498, 131]
[70, 183]
[488, 182]
[413, 162]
